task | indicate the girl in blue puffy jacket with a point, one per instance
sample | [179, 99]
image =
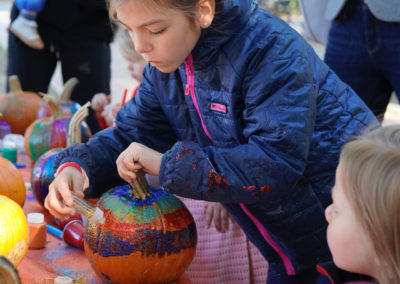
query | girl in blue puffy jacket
[234, 107]
[25, 26]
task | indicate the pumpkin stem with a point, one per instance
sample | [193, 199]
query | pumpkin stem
[15, 84]
[140, 187]
[56, 110]
[69, 86]
[74, 130]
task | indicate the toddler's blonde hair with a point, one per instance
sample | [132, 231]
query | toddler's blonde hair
[371, 171]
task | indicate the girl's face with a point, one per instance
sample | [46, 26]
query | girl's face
[351, 248]
[164, 37]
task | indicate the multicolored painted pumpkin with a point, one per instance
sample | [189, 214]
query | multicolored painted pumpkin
[8, 272]
[50, 132]
[43, 172]
[150, 240]
[11, 182]
[19, 108]
[14, 235]
[68, 107]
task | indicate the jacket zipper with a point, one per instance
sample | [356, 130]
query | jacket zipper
[189, 89]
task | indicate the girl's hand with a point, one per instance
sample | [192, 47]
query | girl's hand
[69, 179]
[215, 211]
[136, 157]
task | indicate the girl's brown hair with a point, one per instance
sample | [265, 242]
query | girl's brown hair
[371, 169]
[188, 7]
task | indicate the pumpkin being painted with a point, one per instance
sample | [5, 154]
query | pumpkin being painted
[150, 240]
[11, 182]
[14, 236]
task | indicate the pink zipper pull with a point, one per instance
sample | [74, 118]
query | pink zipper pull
[187, 90]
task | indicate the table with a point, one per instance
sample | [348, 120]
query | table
[57, 258]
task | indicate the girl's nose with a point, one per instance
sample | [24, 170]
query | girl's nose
[142, 46]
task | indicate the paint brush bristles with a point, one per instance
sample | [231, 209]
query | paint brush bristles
[88, 210]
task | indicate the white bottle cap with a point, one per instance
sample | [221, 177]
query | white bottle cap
[63, 280]
[35, 218]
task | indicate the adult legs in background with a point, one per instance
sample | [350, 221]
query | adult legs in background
[33, 67]
[365, 53]
[89, 60]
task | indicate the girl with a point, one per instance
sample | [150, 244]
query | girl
[234, 107]
[364, 219]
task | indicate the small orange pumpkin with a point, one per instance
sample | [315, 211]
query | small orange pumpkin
[14, 234]
[11, 182]
[19, 108]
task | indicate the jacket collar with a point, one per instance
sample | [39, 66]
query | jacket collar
[230, 17]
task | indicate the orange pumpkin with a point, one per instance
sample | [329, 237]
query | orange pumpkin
[14, 234]
[11, 182]
[19, 108]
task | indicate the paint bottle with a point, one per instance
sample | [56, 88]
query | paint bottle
[63, 280]
[9, 151]
[37, 230]
[73, 234]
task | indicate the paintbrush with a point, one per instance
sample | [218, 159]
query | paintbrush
[91, 212]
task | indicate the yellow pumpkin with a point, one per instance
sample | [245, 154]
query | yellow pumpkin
[14, 234]
[11, 182]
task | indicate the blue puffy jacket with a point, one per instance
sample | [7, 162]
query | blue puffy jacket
[252, 119]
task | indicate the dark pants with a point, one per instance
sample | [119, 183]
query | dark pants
[365, 53]
[86, 59]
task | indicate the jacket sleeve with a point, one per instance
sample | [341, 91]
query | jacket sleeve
[140, 120]
[278, 119]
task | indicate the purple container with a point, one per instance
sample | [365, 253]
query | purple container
[5, 128]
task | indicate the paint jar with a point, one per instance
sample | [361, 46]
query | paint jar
[73, 234]
[37, 230]
[63, 280]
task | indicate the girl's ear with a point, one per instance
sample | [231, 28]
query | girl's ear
[206, 10]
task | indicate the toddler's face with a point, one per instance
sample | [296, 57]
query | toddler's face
[136, 69]
[164, 37]
[351, 248]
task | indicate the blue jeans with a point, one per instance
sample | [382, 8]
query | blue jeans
[365, 53]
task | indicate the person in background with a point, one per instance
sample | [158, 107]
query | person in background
[234, 107]
[24, 26]
[77, 34]
[101, 103]
[364, 218]
[363, 48]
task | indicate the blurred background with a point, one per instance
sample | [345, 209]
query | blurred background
[288, 10]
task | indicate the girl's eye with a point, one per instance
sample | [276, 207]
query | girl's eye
[158, 32]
